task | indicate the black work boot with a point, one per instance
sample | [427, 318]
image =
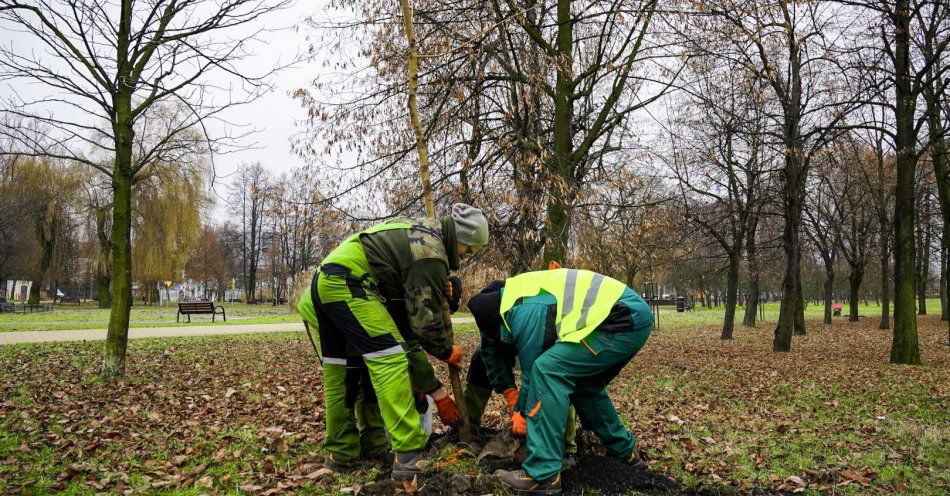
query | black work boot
[339, 466]
[409, 464]
[379, 462]
[521, 483]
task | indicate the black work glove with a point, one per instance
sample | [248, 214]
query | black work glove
[455, 297]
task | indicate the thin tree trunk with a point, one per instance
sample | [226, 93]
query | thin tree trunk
[752, 295]
[732, 290]
[854, 282]
[829, 287]
[924, 261]
[885, 277]
[800, 309]
[944, 247]
[103, 269]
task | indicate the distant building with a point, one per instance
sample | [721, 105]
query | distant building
[17, 290]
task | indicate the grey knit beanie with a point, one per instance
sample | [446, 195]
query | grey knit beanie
[471, 227]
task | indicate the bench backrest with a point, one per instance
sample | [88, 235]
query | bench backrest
[196, 306]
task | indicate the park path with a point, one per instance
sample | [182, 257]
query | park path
[16, 337]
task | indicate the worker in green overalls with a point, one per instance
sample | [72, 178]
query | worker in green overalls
[360, 397]
[402, 259]
[481, 380]
[590, 326]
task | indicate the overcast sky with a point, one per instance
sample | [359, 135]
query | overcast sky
[275, 115]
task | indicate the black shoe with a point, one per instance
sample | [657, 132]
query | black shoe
[409, 464]
[339, 466]
[520, 483]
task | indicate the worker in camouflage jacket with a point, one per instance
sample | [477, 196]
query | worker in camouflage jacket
[355, 297]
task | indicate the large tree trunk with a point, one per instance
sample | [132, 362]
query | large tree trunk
[732, 293]
[905, 347]
[113, 361]
[828, 289]
[559, 207]
[854, 283]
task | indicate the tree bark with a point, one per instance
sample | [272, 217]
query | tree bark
[905, 348]
[885, 255]
[559, 208]
[800, 308]
[828, 289]
[793, 175]
[854, 282]
[46, 234]
[732, 293]
[752, 296]
[923, 277]
[103, 269]
[944, 247]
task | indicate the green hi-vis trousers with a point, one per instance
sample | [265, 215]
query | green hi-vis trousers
[350, 316]
[478, 390]
[578, 374]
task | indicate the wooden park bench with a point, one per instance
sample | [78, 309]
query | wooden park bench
[199, 308]
[25, 307]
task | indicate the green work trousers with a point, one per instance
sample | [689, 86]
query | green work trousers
[351, 317]
[478, 391]
[578, 374]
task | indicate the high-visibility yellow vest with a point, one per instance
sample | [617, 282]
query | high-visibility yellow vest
[350, 252]
[584, 298]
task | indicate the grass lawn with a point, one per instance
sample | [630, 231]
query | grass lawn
[88, 316]
[242, 414]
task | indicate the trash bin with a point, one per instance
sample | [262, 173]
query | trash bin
[680, 304]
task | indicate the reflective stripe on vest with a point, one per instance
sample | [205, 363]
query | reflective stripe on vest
[584, 298]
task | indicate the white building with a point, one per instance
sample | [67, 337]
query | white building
[20, 290]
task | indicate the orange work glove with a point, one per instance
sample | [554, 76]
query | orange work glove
[448, 411]
[455, 358]
[519, 426]
[553, 265]
[511, 397]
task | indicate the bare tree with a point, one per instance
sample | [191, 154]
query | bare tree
[912, 38]
[721, 173]
[822, 225]
[251, 195]
[109, 64]
[787, 44]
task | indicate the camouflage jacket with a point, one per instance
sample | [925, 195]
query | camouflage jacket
[413, 265]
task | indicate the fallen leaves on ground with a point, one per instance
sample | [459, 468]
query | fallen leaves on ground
[245, 413]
